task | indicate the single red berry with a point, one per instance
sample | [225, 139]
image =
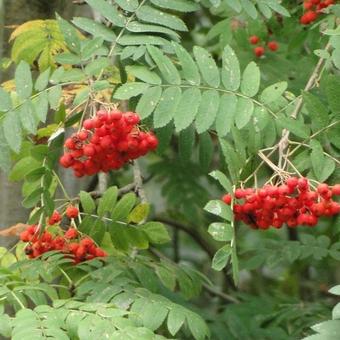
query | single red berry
[254, 39]
[259, 51]
[336, 190]
[72, 211]
[273, 45]
[308, 5]
[227, 199]
[86, 242]
[82, 135]
[71, 233]
[55, 218]
[88, 124]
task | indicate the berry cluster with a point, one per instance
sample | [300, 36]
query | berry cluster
[69, 243]
[293, 203]
[313, 9]
[107, 142]
[260, 50]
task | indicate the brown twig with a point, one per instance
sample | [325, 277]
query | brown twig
[190, 231]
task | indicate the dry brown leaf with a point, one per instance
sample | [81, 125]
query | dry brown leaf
[14, 230]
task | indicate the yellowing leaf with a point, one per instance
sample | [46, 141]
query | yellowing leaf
[37, 40]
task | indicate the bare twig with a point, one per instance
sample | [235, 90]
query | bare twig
[190, 231]
[138, 182]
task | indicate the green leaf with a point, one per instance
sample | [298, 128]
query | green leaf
[231, 74]
[235, 5]
[206, 151]
[167, 276]
[108, 11]
[148, 101]
[70, 34]
[140, 39]
[155, 16]
[67, 58]
[123, 207]
[139, 213]
[128, 5]
[220, 209]
[94, 28]
[36, 174]
[251, 78]
[12, 130]
[226, 114]
[197, 326]
[328, 168]
[138, 27]
[128, 90]
[328, 328]
[221, 258]
[33, 198]
[231, 159]
[273, 92]
[249, 8]
[177, 5]
[108, 201]
[5, 155]
[5, 100]
[166, 67]
[23, 80]
[156, 232]
[317, 158]
[186, 141]
[42, 80]
[187, 108]
[27, 118]
[275, 5]
[221, 231]
[244, 112]
[40, 104]
[152, 320]
[207, 110]
[222, 179]
[144, 74]
[189, 68]
[207, 66]
[94, 227]
[176, 319]
[54, 95]
[332, 93]
[167, 106]
[294, 126]
[316, 110]
[87, 202]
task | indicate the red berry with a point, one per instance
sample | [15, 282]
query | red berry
[55, 218]
[254, 39]
[71, 233]
[227, 199]
[308, 5]
[72, 211]
[88, 124]
[336, 190]
[273, 46]
[259, 51]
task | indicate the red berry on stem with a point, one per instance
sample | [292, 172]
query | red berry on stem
[72, 211]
